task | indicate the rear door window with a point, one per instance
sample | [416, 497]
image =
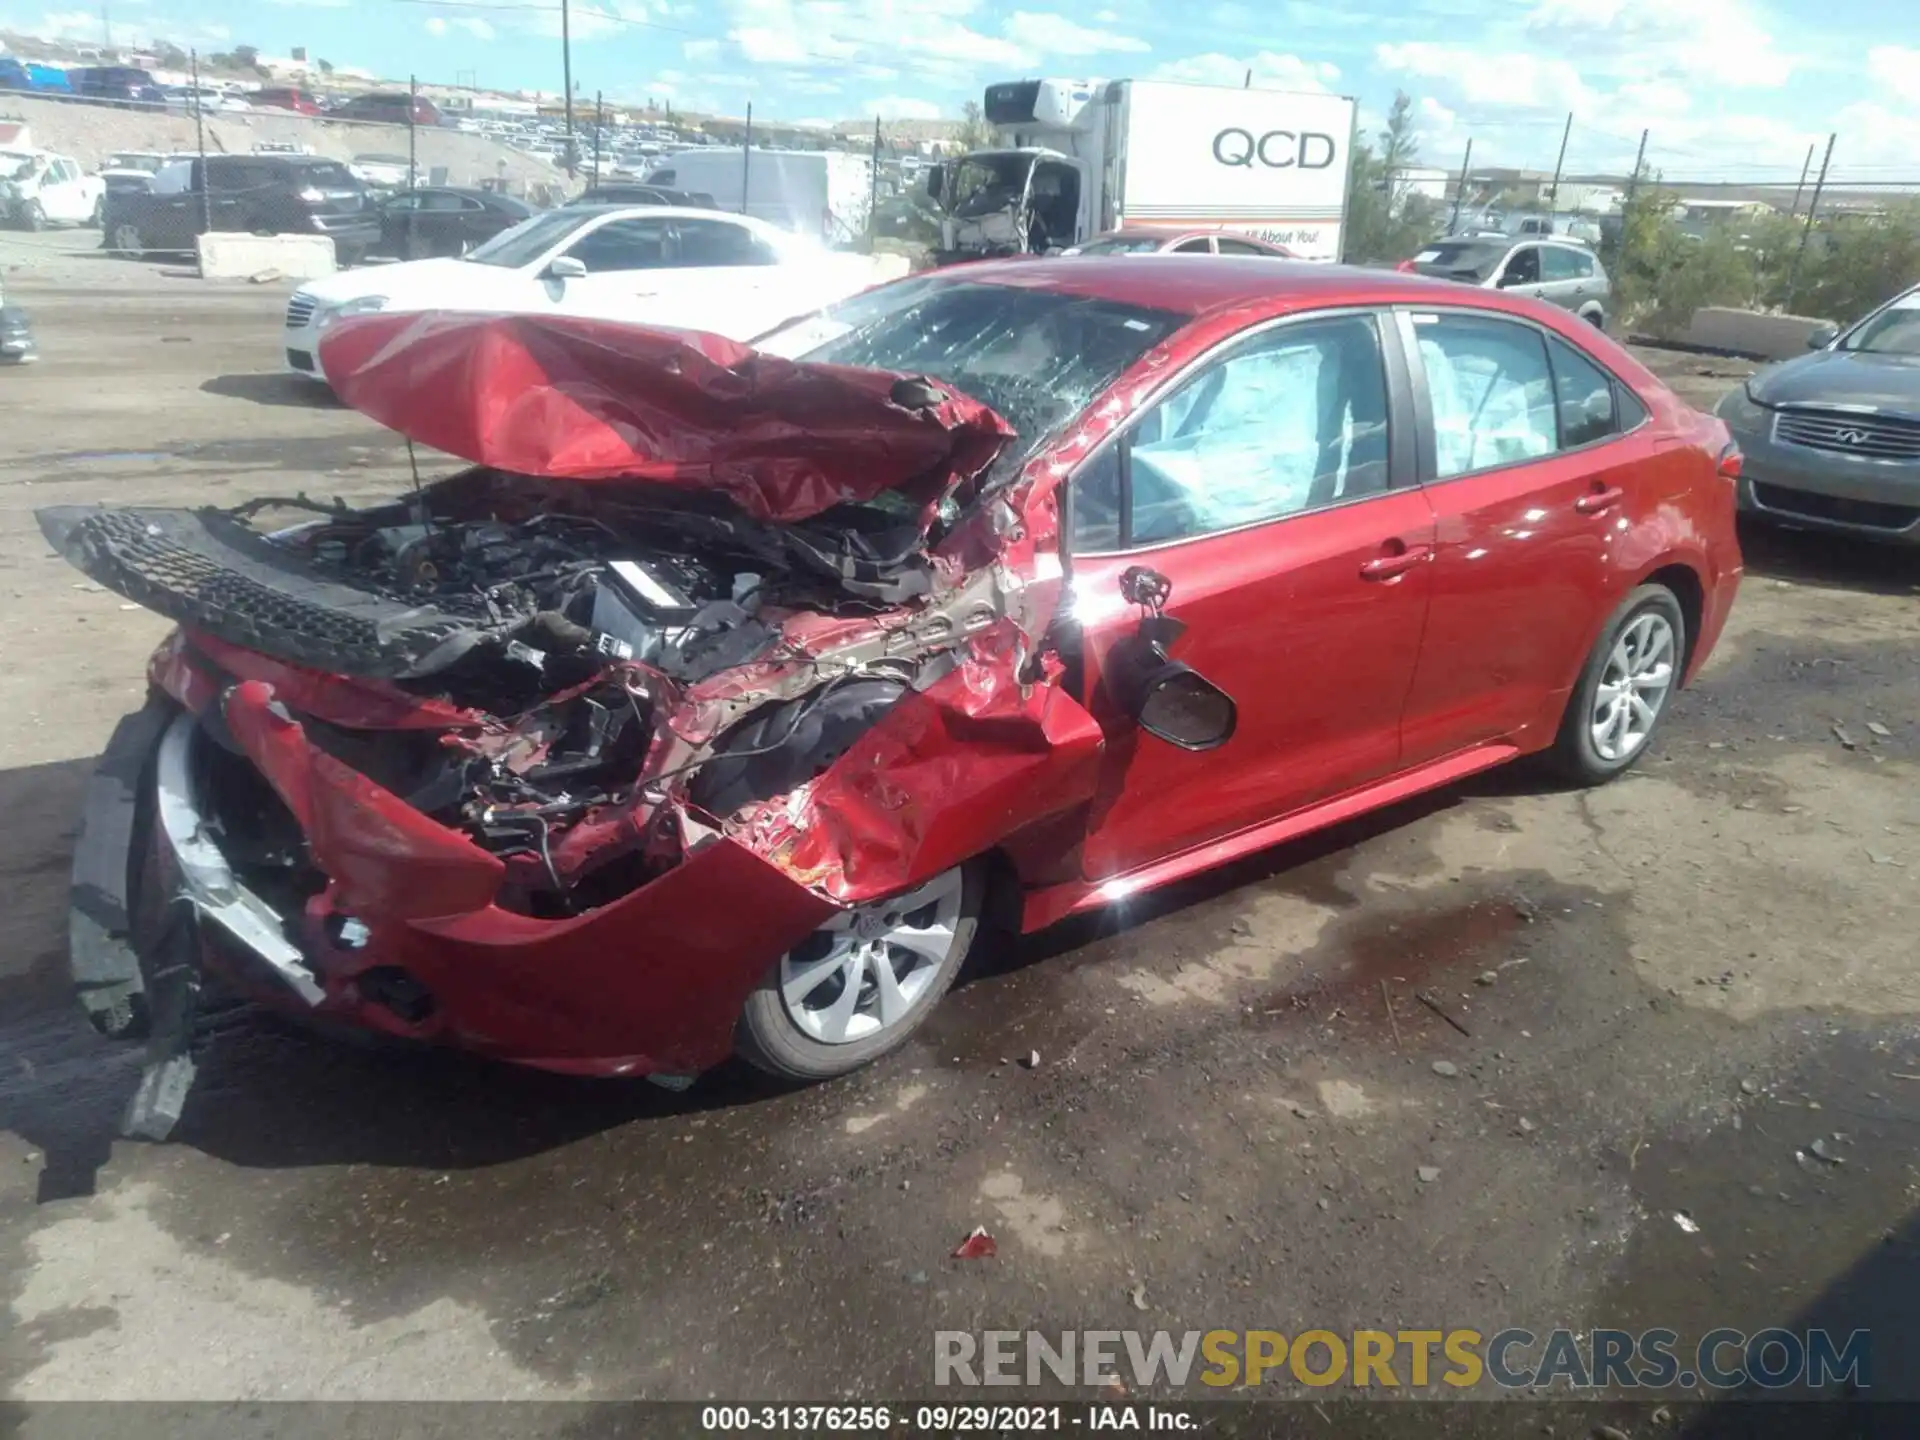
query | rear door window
[717, 242]
[1199, 245]
[1557, 262]
[1491, 390]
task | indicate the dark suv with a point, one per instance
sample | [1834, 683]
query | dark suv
[387, 108]
[121, 85]
[257, 194]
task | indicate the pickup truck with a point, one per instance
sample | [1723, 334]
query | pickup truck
[255, 194]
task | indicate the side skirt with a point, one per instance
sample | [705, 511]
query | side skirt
[1052, 903]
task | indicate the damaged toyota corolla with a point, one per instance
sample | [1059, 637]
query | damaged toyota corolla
[733, 690]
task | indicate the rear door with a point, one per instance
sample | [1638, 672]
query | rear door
[1564, 275]
[1272, 486]
[1528, 454]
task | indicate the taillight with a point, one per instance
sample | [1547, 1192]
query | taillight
[1730, 463]
[1405, 267]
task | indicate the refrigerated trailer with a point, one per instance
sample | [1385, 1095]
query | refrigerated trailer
[1074, 158]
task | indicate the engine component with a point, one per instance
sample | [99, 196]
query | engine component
[783, 746]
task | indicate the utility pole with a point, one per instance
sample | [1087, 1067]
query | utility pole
[200, 142]
[746, 158]
[1626, 208]
[1247, 84]
[1805, 166]
[1813, 208]
[598, 121]
[873, 186]
[1460, 190]
[1553, 195]
[566, 78]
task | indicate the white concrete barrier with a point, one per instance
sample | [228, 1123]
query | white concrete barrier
[1750, 332]
[241, 257]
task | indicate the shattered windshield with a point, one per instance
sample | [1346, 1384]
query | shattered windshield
[1035, 356]
[983, 184]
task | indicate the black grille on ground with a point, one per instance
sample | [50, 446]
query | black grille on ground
[1869, 513]
[210, 571]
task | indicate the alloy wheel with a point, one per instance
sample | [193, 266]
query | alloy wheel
[126, 239]
[866, 971]
[1633, 687]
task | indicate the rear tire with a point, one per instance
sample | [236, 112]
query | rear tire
[804, 1024]
[126, 239]
[33, 218]
[1625, 689]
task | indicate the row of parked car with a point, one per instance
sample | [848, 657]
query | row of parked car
[131, 87]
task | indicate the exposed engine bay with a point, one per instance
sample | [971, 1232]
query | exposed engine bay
[594, 652]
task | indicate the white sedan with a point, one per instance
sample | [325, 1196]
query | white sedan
[689, 269]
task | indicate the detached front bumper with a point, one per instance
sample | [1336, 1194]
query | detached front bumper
[652, 983]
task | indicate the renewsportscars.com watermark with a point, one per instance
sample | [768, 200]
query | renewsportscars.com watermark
[1511, 1359]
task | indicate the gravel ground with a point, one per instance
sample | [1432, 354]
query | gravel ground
[1668, 987]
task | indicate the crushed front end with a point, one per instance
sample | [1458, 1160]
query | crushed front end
[549, 770]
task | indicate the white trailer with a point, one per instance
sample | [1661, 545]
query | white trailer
[1075, 158]
[824, 194]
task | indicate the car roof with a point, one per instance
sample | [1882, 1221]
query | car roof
[1196, 284]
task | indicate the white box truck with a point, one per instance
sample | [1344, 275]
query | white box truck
[826, 194]
[1074, 158]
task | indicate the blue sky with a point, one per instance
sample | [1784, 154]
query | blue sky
[1732, 89]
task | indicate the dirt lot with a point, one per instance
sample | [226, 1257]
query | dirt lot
[1672, 985]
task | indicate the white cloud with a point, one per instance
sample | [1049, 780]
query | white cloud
[1677, 37]
[83, 25]
[436, 26]
[1271, 71]
[1481, 76]
[902, 107]
[476, 27]
[1052, 34]
[701, 52]
[310, 4]
[1896, 68]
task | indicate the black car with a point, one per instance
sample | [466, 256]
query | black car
[127, 86]
[445, 220]
[256, 194]
[642, 195]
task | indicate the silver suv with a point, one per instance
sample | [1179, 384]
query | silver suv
[1561, 272]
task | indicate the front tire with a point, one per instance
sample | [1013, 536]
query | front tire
[860, 985]
[1625, 688]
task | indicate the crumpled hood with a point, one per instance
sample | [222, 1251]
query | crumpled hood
[1886, 384]
[567, 397]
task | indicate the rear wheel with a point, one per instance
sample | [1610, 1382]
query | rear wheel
[99, 216]
[126, 238]
[862, 983]
[33, 217]
[1624, 690]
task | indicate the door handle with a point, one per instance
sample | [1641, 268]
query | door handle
[1599, 499]
[1394, 560]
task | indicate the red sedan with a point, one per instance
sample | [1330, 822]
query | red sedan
[729, 698]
